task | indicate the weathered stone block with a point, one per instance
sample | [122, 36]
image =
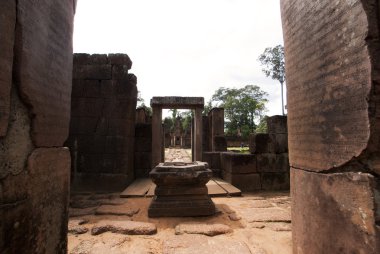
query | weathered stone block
[275, 181]
[91, 144]
[270, 162]
[118, 144]
[121, 127]
[48, 192]
[338, 210]
[86, 59]
[120, 59]
[7, 27]
[213, 159]
[87, 107]
[89, 71]
[88, 125]
[236, 163]
[277, 125]
[143, 144]
[280, 142]
[143, 160]
[117, 108]
[125, 88]
[43, 59]
[331, 106]
[261, 143]
[245, 182]
[143, 130]
[120, 71]
[219, 144]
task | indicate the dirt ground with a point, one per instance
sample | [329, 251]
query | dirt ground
[259, 222]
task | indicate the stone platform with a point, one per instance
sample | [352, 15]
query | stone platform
[181, 190]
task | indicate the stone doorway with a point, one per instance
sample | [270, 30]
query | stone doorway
[158, 139]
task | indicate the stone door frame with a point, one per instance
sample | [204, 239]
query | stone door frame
[175, 102]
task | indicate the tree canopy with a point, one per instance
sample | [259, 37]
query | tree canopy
[273, 61]
[242, 106]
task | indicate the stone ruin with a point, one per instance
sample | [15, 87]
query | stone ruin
[332, 65]
[181, 190]
[102, 127]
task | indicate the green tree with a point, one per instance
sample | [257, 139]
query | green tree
[262, 126]
[242, 106]
[273, 61]
[141, 104]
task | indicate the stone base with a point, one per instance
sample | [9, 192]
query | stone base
[181, 206]
[181, 190]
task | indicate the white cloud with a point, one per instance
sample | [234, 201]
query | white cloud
[183, 47]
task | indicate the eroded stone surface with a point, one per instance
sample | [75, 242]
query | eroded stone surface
[124, 227]
[203, 229]
[190, 244]
[337, 210]
[43, 57]
[267, 215]
[116, 210]
[7, 26]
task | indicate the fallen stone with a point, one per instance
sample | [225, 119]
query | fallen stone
[116, 210]
[75, 227]
[190, 244]
[266, 215]
[203, 229]
[124, 227]
[75, 212]
[234, 217]
[77, 230]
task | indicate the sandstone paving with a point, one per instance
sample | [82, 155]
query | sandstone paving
[124, 227]
[237, 215]
[116, 210]
[197, 244]
[203, 229]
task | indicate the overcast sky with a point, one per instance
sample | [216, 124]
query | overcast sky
[185, 47]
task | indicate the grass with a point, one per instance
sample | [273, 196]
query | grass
[239, 149]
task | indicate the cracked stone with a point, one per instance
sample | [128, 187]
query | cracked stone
[124, 227]
[204, 229]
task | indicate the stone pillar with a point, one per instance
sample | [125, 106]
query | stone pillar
[156, 136]
[198, 135]
[332, 74]
[216, 116]
[35, 87]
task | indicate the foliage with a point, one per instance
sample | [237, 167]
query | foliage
[242, 106]
[262, 126]
[274, 63]
[141, 104]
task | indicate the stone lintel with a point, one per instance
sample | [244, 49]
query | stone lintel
[178, 102]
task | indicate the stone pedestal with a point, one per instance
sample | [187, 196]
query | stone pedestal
[181, 190]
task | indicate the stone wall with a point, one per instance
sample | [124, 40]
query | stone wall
[332, 69]
[102, 126]
[143, 145]
[35, 87]
[267, 167]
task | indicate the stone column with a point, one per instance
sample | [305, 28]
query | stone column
[198, 135]
[333, 124]
[217, 126]
[156, 136]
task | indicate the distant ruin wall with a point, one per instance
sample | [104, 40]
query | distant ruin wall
[332, 69]
[35, 88]
[102, 127]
